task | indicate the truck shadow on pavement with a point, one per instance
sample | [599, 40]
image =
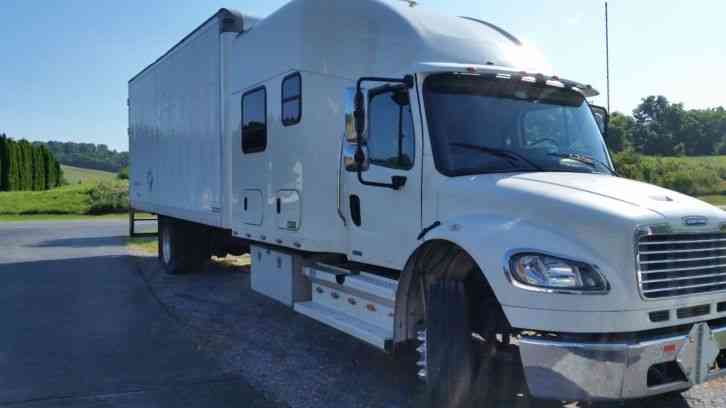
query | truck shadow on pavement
[89, 242]
[308, 364]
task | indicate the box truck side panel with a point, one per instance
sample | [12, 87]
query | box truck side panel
[175, 141]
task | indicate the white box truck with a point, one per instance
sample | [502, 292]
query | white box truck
[421, 182]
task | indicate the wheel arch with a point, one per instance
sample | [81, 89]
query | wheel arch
[409, 305]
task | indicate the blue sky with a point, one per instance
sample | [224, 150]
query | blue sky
[65, 64]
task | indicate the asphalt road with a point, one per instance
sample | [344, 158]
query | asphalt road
[80, 328]
[86, 324]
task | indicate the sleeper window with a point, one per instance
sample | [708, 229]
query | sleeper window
[390, 130]
[254, 121]
[291, 99]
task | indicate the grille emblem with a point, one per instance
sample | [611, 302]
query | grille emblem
[695, 221]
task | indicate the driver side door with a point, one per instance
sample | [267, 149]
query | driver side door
[384, 223]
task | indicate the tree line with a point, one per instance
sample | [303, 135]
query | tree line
[26, 166]
[661, 128]
[88, 155]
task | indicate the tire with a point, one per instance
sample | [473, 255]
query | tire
[178, 251]
[169, 247]
[451, 358]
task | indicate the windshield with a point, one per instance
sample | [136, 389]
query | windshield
[491, 124]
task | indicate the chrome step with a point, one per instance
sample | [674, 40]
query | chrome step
[371, 334]
[358, 303]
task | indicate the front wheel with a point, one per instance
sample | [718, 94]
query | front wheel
[451, 362]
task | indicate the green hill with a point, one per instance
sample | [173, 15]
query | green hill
[74, 175]
[88, 155]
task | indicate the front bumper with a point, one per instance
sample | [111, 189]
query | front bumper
[594, 371]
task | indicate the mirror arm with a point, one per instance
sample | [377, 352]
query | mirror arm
[397, 182]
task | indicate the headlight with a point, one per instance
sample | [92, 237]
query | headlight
[548, 272]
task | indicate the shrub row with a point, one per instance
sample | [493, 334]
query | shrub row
[108, 198]
[685, 177]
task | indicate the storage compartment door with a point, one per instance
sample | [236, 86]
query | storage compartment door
[252, 207]
[288, 210]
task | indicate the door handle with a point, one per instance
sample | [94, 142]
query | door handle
[398, 182]
[355, 209]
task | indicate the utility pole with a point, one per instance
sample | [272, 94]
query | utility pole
[607, 54]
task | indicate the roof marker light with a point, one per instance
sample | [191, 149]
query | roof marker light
[555, 83]
[669, 348]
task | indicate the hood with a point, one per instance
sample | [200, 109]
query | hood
[659, 200]
[585, 202]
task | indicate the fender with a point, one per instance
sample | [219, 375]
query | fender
[488, 240]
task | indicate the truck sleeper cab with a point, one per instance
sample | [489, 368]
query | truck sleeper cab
[459, 209]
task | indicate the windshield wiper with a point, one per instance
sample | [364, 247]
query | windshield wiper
[506, 154]
[585, 159]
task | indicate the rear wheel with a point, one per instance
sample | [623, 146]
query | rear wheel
[179, 249]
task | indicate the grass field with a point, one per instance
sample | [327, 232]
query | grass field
[146, 245]
[76, 175]
[718, 161]
[718, 197]
[87, 192]
[88, 198]
[58, 217]
[71, 199]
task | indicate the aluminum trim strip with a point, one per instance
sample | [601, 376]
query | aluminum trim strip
[677, 288]
[695, 277]
[708, 258]
[682, 242]
[682, 251]
[690, 268]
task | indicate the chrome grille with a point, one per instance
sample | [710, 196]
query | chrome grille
[681, 264]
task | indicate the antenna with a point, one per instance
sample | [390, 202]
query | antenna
[607, 54]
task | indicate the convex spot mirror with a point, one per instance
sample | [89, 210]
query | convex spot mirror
[355, 158]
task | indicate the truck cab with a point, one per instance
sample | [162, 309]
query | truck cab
[590, 269]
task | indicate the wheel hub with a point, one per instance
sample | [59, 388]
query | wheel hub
[421, 336]
[166, 246]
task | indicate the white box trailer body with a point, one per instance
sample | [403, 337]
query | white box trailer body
[245, 133]
[175, 126]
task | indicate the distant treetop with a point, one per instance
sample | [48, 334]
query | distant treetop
[88, 155]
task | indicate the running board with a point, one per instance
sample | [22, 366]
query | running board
[371, 334]
[358, 303]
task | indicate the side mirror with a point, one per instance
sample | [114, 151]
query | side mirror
[601, 117]
[355, 158]
[351, 117]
